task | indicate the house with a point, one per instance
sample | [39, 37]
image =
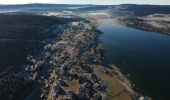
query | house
[82, 80]
[70, 95]
[97, 96]
[82, 96]
[61, 81]
[57, 89]
[42, 97]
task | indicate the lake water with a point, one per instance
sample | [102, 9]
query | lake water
[143, 55]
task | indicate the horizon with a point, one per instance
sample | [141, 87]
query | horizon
[85, 4]
[82, 2]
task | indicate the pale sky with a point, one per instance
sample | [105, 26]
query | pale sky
[108, 2]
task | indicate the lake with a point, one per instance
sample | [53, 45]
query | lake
[143, 55]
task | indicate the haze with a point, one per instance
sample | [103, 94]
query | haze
[100, 2]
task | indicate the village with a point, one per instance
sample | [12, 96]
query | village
[65, 65]
[69, 66]
[71, 75]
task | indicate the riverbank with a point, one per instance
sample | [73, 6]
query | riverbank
[127, 47]
[119, 87]
[115, 90]
[148, 23]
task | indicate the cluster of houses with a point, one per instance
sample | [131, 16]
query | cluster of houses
[64, 65]
[39, 64]
[71, 58]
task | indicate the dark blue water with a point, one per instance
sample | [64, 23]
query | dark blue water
[144, 55]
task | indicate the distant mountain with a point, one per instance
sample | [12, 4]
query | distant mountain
[143, 10]
[138, 10]
[40, 7]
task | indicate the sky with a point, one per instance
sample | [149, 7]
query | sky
[100, 2]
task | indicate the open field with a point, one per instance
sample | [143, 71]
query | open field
[115, 90]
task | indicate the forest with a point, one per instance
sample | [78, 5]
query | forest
[20, 36]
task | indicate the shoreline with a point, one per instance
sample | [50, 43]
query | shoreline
[142, 25]
[119, 76]
[126, 82]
